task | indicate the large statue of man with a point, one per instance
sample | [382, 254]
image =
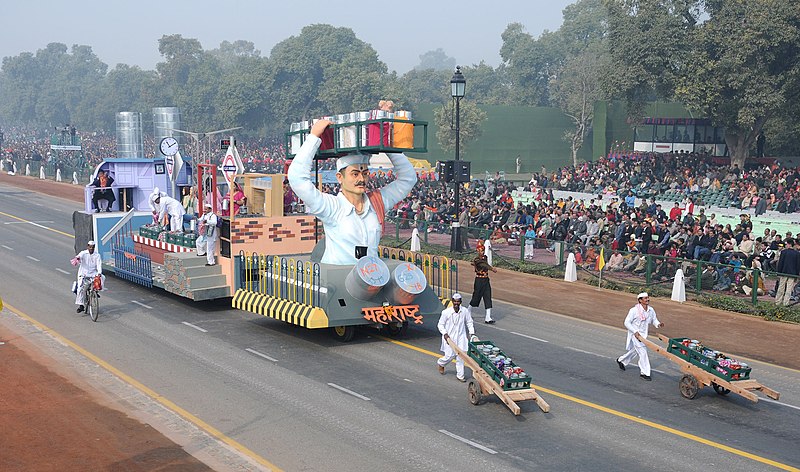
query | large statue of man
[350, 218]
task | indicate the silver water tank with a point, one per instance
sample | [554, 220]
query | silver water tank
[367, 278]
[130, 143]
[166, 119]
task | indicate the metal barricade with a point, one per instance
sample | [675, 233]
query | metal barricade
[132, 265]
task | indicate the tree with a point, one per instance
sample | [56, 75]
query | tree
[421, 86]
[181, 55]
[649, 42]
[126, 88]
[323, 71]
[577, 84]
[228, 52]
[739, 67]
[241, 99]
[55, 86]
[21, 85]
[745, 68]
[471, 119]
[575, 91]
[488, 86]
[436, 60]
[529, 64]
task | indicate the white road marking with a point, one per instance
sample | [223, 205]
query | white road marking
[142, 304]
[529, 337]
[33, 258]
[659, 371]
[769, 400]
[339, 387]
[253, 351]
[58, 269]
[467, 441]
[195, 327]
[409, 380]
[42, 226]
[9, 248]
[26, 222]
[587, 352]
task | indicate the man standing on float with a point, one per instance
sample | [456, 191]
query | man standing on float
[351, 217]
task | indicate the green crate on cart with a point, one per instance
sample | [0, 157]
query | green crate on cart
[189, 239]
[718, 367]
[144, 232]
[150, 233]
[475, 351]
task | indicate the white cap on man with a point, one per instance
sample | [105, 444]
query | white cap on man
[456, 296]
[90, 243]
[350, 160]
[642, 295]
[207, 205]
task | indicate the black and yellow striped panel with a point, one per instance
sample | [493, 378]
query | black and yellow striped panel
[291, 312]
[446, 302]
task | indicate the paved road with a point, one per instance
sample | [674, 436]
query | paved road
[300, 400]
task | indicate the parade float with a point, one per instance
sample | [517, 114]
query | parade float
[265, 260]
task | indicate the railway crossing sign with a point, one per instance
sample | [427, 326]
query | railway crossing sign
[231, 164]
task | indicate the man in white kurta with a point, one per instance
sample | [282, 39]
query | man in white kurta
[455, 324]
[639, 319]
[349, 217]
[151, 200]
[173, 208]
[207, 242]
[89, 265]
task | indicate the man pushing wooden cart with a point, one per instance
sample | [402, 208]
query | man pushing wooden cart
[508, 383]
[703, 367]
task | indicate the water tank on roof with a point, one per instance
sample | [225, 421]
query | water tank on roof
[130, 143]
[166, 119]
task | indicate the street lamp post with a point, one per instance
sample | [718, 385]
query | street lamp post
[458, 85]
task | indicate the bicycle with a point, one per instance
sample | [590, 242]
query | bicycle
[91, 287]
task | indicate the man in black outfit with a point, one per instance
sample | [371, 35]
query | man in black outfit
[482, 288]
[789, 268]
[105, 192]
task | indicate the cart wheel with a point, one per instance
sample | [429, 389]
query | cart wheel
[344, 334]
[688, 386]
[474, 392]
[720, 389]
[397, 331]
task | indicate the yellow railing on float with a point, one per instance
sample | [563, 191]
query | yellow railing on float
[282, 277]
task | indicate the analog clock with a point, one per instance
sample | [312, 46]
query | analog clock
[169, 146]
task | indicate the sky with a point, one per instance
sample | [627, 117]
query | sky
[128, 31]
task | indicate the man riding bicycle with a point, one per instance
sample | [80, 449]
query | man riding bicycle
[90, 265]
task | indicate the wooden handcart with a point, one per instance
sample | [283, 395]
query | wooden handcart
[696, 376]
[483, 384]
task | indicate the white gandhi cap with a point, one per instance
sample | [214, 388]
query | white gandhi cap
[456, 296]
[351, 159]
[642, 295]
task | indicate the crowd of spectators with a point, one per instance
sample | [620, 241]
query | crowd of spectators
[647, 175]
[613, 219]
[625, 225]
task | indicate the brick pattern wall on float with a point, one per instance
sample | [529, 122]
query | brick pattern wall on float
[245, 230]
